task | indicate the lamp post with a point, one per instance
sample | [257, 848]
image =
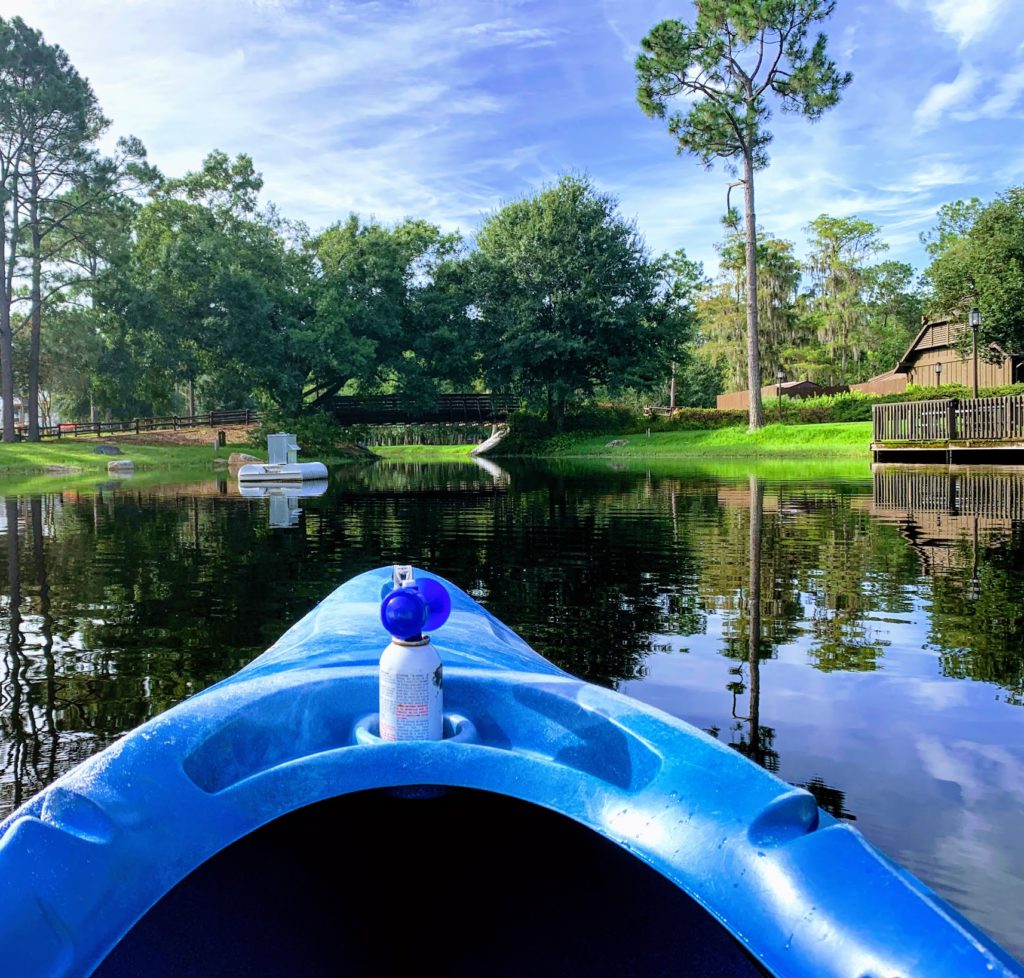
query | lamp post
[779, 377]
[975, 320]
[938, 375]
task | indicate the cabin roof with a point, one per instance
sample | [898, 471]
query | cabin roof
[904, 364]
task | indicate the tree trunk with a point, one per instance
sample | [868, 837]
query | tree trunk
[6, 370]
[672, 390]
[6, 347]
[37, 315]
[753, 349]
[191, 397]
[754, 617]
[559, 408]
[8, 262]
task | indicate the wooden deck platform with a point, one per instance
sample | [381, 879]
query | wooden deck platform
[985, 430]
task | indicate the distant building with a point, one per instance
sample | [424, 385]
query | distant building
[937, 343]
[20, 412]
[740, 400]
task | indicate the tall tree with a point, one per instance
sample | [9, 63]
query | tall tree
[49, 119]
[722, 307]
[682, 281]
[894, 305]
[736, 54]
[840, 250]
[215, 291]
[566, 296]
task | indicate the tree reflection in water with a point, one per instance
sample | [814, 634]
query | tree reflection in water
[121, 603]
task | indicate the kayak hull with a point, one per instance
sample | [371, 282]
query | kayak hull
[806, 895]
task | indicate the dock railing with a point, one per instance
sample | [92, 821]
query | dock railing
[990, 419]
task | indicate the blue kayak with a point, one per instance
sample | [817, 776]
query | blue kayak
[263, 828]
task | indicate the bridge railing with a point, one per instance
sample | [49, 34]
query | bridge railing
[212, 419]
[982, 419]
[447, 408]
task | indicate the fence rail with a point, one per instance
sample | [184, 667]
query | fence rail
[997, 419]
[448, 408]
[75, 429]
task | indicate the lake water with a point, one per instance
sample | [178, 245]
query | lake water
[860, 635]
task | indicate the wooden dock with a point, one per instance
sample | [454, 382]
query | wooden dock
[988, 429]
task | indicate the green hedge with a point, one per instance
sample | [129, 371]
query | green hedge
[531, 432]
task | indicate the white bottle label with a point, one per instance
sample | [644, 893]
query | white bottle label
[411, 704]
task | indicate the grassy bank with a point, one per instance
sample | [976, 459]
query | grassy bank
[424, 453]
[812, 441]
[25, 458]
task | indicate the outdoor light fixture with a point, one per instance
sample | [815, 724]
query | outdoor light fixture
[779, 376]
[938, 375]
[975, 321]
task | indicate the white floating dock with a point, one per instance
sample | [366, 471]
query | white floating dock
[282, 466]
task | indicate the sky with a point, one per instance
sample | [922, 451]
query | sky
[445, 109]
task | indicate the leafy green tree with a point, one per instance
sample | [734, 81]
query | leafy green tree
[681, 282]
[722, 308]
[567, 298]
[214, 291]
[48, 120]
[894, 307]
[978, 260]
[840, 250]
[735, 55]
[389, 311]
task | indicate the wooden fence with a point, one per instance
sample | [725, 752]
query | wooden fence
[213, 419]
[991, 419]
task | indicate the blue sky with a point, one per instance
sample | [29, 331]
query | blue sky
[445, 109]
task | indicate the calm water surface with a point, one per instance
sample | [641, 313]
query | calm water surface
[861, 636]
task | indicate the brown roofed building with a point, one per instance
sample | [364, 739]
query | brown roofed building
[938, 343]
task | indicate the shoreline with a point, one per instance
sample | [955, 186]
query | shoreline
[837, 440]
[67, 462]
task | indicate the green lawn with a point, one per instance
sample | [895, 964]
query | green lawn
[817, 441]
[424, 453]
[35, 458]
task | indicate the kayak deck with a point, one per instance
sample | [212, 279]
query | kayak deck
[470, 883]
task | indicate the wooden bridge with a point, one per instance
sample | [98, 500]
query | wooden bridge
[984, 429]
[447, 409]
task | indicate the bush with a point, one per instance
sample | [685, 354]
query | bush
[317, 433]
[597, 419]
[697, 419]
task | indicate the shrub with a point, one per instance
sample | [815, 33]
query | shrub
[317, 433]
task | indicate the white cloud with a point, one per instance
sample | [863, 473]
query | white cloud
[965, 20]
[946, 96]
[929, 174]
[1009, 89]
